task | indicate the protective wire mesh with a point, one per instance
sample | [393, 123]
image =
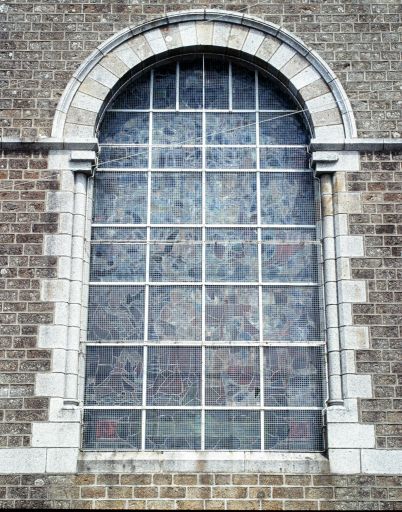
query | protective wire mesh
[294, 376]
[174, 313]
[174, 376]
[231, 313]
[120, 197]
[231, 255]
[179, 254]
[112, 430]
[232, 430]
[232, 376]
[287, 198]
[294, 431]
[231, 198]
[114, 376]
[291, 313]
[173, 430]
[116, 313]
[176, 198]
[175, 254]
[124, 128]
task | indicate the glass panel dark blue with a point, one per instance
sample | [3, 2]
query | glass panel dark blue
[174, 376]
[243, 88]
[231, 198]
[114, 376]
[231, 313]
[176, 158]
[272, 95]
[282, 128]
[112, 430]
[291, 313]
[177, 128]
[232, 430]
[230, 128]
[294, 376]
[176, 198]
[287, 198]
[190, 93]
[298, 431]
[164, 90]
[173, 430]
[232, 376]
[230, 158]
[135, 96]
[174, 313]
[124, 128]
[216, 83]
[120, 197]
[116, 313]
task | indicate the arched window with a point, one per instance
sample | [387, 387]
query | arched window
[205, 323]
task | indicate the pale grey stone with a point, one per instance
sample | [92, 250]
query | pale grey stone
[156, 41]
[253, 41]
[296, 64]
[268, 48]
[282, 55]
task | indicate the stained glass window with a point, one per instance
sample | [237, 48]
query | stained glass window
[205, 326]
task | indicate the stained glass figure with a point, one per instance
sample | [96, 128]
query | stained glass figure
[231, 198]
[232, 430]
[114, 376]
[174, 313]
[174, 376]
[173, 430]
[116, 313]
[232, 376]
[231, 313]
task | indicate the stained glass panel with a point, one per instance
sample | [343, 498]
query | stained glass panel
[164, 90]
[284, 158]
[291, 313]
[232, 376]
[174, 376]
[124, 128]
[114, 376]
[231, 313]
[273, 96]
[116, 313]
[191, 90]
[120, 197]
[230, 128]
[176, 128]
[135, 96]
[231, 158]
[294, 376]
[176, 158]
[216, 84]
[282, 128]
[123, 157]
[175, 254]
[231, 198]
[173, 430]
[174, 313]
[232, 430]
[112, 430]
[243, 88]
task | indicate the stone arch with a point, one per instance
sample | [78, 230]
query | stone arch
[299, 68]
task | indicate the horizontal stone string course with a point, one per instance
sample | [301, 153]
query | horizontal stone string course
[202, 491]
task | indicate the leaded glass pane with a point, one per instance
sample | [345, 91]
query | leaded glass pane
[289, 255]
[173, 430]
[231, 198]
[287, 198]
[294, 376]
[118, 233]
[124, 128]
[231, 255]
[120, 197]
[174, 376]
[231, 158]
[282, 128]
[232, 430]
[174, 313]
[291, 313]
[114, 376]
[273, 96]
[231, 313]
[123, 157]
[284, 158]
[112, 430]
[117, 262]
[191, 77]
[216, 84]
[164, 90]
[135, 96]
[176, 158]
[176, 128]
[298, 431]
[232, 376]
[176, 198]
[175, 254]
[230, 128]
[116, 313]
[243, 88]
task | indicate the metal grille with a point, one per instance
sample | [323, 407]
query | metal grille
[204, 318]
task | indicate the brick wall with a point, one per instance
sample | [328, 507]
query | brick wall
[24, 180]
[201, 491]
[44, 43]
[380, 185]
